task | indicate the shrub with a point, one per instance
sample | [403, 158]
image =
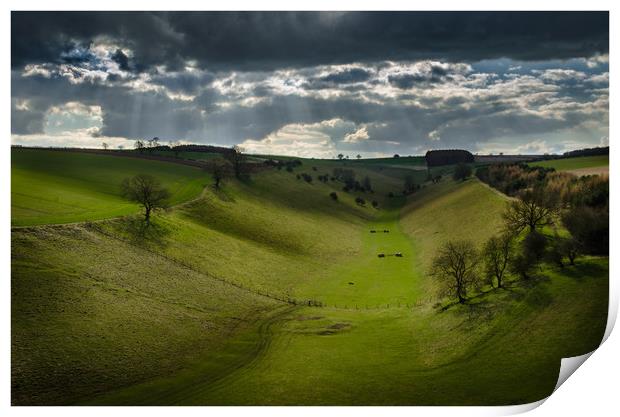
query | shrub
[461, 172]
[360, 201]
[589, 227]
[375, 203]
[333, 196]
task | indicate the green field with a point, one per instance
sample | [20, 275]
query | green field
[199, 309]
[63, 187]
[569, 164]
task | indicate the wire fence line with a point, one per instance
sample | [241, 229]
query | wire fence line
[301, 302]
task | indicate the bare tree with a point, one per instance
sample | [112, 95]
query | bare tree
[174, 147]
[496, 255]
[455, 265]
[147, 191]
[533, 209]
[237, 160]
[120, 147]
[153, 143]
[219, 170]
[105, 146]
[340, 156]
[139, 145]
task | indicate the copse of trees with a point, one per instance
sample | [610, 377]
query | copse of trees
[587, 152]
[542, 198]
[147, 191]
[512, 178]
[289, 164]
[448, 157]
[581, 202]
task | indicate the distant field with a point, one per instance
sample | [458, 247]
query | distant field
[577, 164]
[63, 187]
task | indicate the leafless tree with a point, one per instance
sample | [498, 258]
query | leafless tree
[139, 145]
[147, 191]
[105, 146]
[219, 170]
[496, 255]
[237, 160]
[153, 143]
[455, 265]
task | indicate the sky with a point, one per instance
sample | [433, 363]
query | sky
[313, 84]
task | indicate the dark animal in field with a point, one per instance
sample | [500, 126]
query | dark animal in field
[386, 231]
[373, 231]
[381, 255]
[351, 283]
[398, 254]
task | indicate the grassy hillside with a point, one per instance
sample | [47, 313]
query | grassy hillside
[449, 210]
[193, 309]
[569, 164]
[63, 187]
[391, 354]
[91, 313]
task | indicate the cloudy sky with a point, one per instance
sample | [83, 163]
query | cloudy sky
[313, 84]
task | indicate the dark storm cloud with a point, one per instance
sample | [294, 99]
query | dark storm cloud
[363, 82]
[269, 40]
[121, 59]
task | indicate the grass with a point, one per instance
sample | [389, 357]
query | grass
[91, 313]
[569, 164]
[64, 187]
[185, 311]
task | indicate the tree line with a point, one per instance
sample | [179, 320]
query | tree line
[528, 238]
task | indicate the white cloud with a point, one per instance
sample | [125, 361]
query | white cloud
[535, 147]
[597, 60]
[558, 74]
[359, 135]
[434, 135]
[76, 139]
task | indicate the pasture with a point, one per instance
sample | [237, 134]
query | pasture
[64, 187]
[210, 304]
[581, 165]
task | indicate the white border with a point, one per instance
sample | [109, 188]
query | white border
[591, 390]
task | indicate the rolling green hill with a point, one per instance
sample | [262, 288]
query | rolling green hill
[569, 164]
[63, 187]
[210, 304]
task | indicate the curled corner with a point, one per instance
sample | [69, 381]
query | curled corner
[568, 366]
